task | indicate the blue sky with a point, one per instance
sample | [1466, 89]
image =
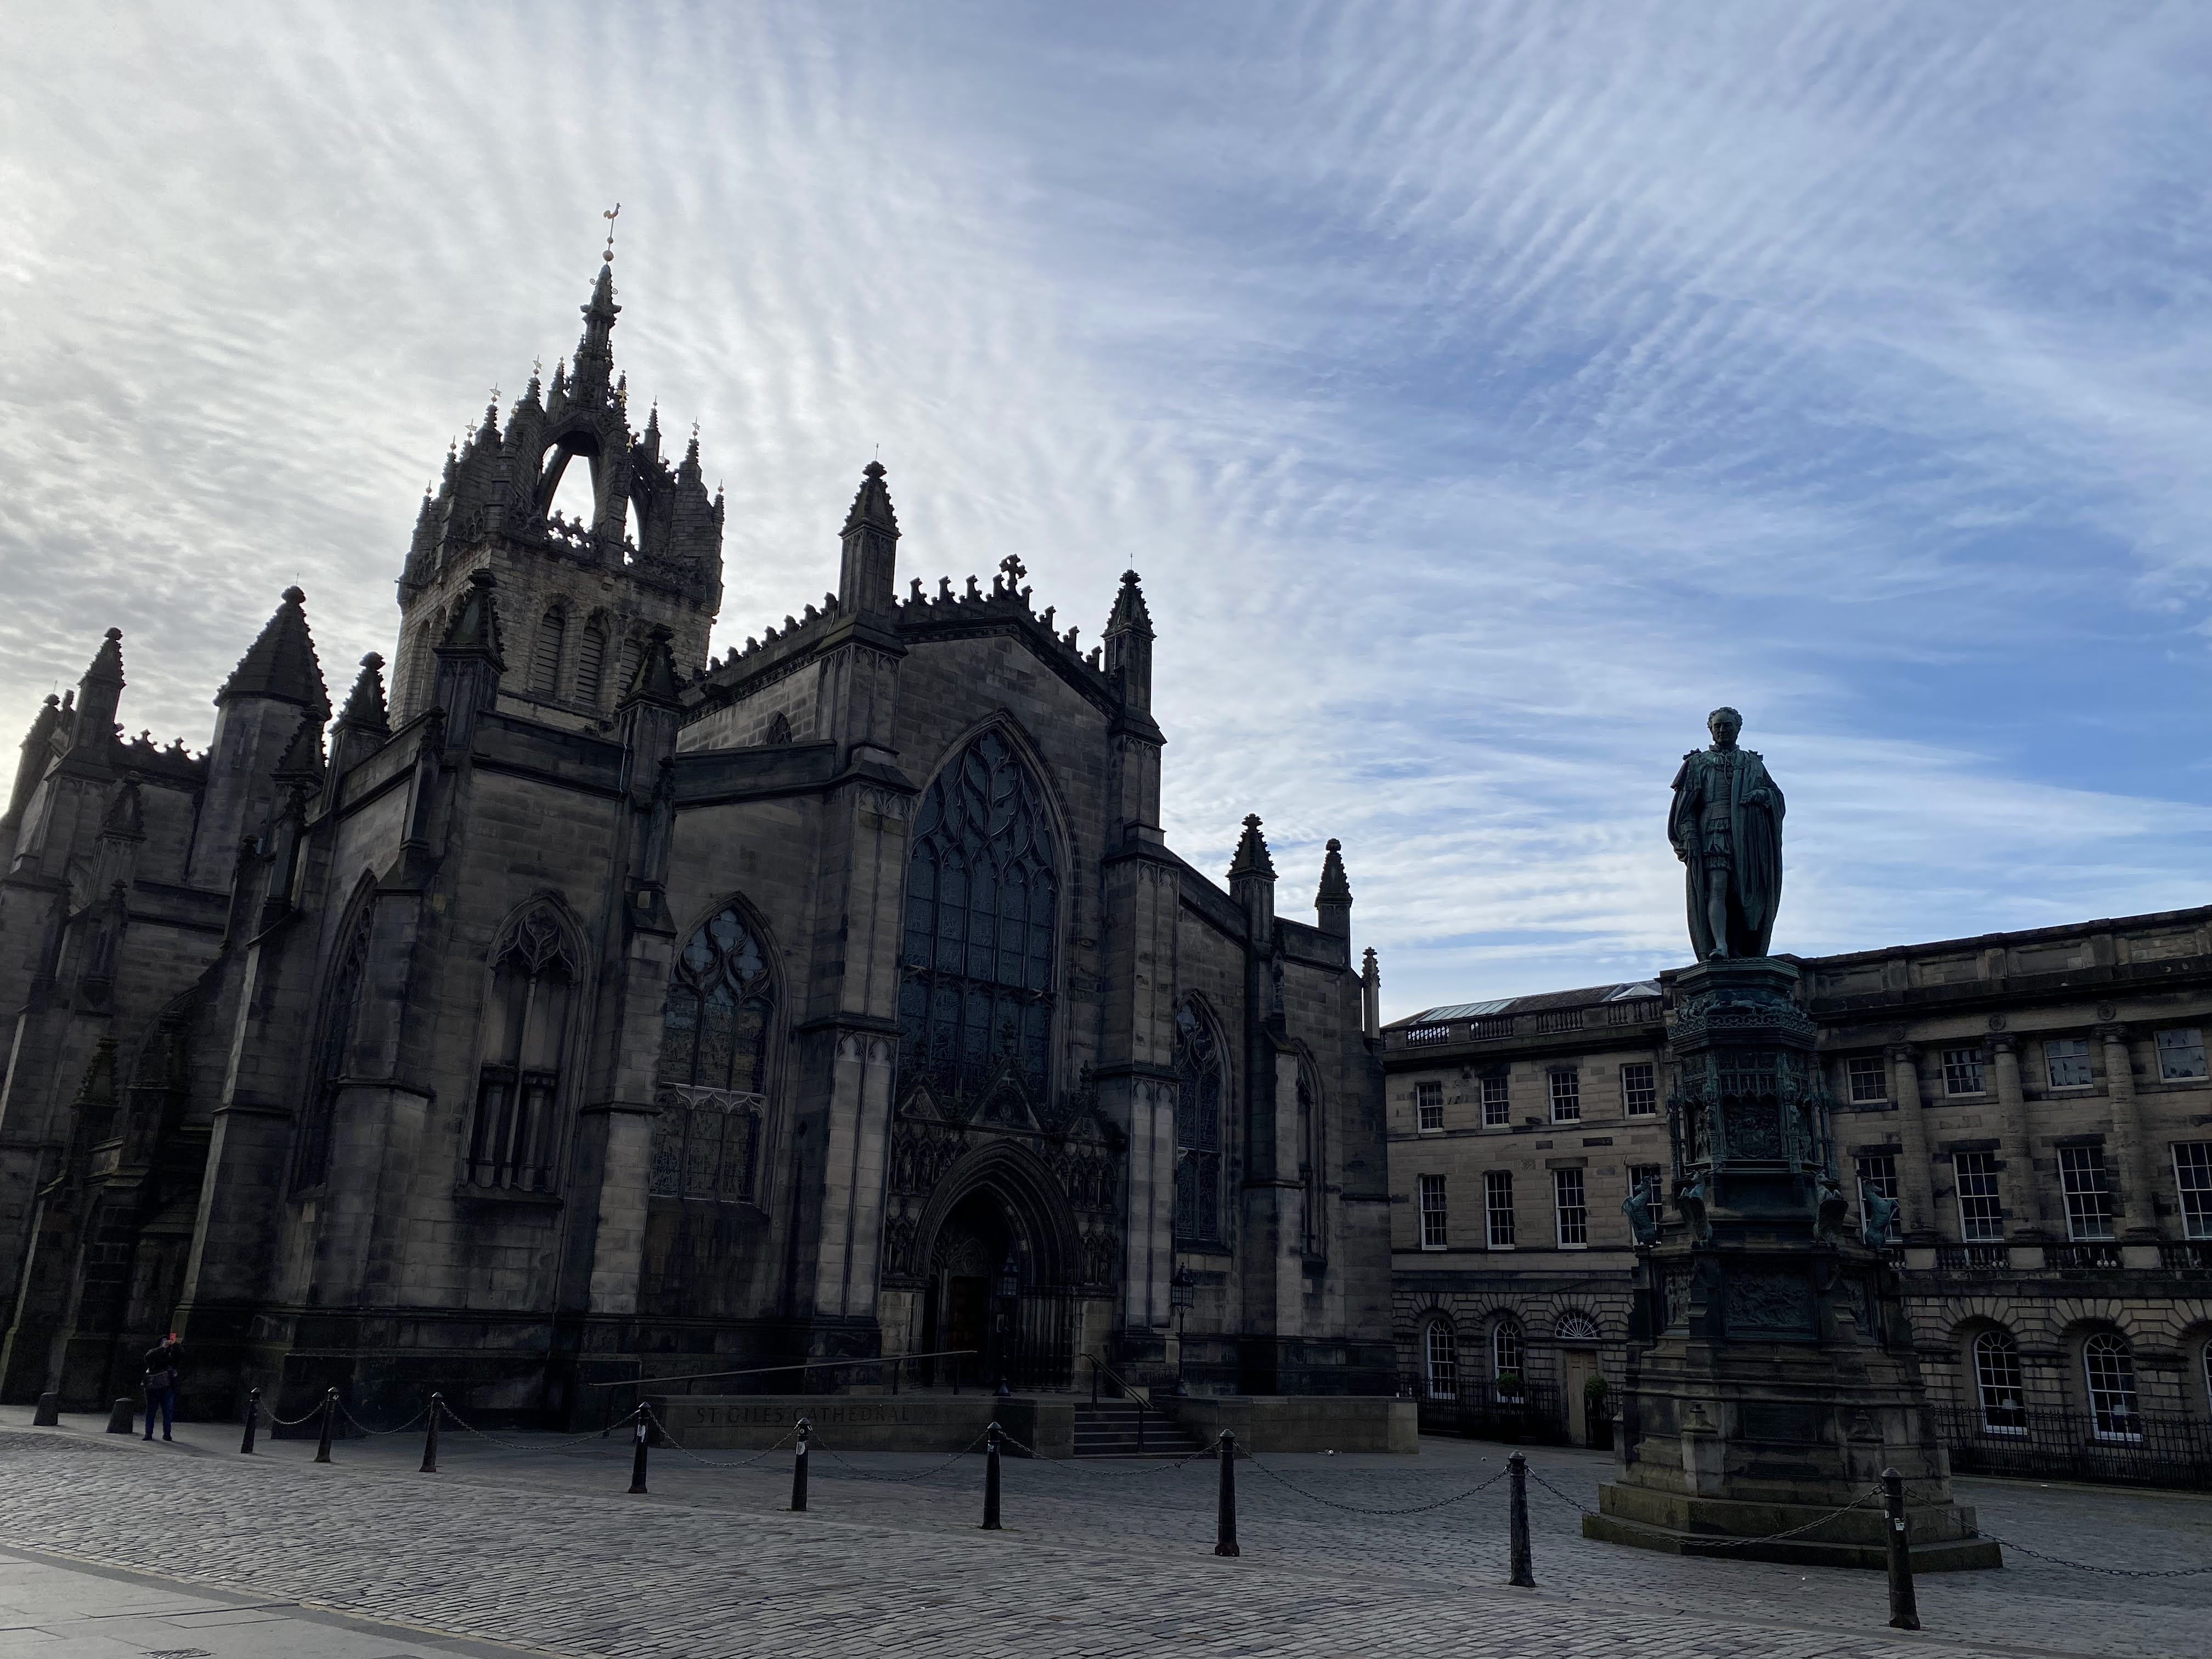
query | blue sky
[1485, 392]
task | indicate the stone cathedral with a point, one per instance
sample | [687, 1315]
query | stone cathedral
[576, 1006]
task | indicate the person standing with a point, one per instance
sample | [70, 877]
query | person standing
[164, 1366]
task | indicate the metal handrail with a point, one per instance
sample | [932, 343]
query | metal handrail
[893, 1359]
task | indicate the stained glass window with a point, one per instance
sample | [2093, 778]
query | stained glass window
[1198, 1129]
[982, 895]
[526, 1030]
[714, 1034]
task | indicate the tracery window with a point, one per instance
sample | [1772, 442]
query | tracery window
[1998, 1383]
[1441, 1344]
[982, 895]
[526, 1021]
[714, 1065]
[1313, 1164]
[334, 1045]
[1199, 1092]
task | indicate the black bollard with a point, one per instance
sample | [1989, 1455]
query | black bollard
[639, 1434]
[991, 1480]
[123, 1414]
[1904, 1609]
[798, 1467]
[430, 1435]
[49, 1414]
[1523, 1574]
[329, 1423]
[1224, 1515]
[253, 1421]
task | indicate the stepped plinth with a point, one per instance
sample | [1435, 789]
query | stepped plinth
[1780, 1380]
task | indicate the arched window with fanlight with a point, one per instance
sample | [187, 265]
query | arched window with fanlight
[713, 1077]
[1999, 1387]
[1508, 1355]
[535, 973]
[983, 898]
[1440, 1357]
[2109, 1370]
[1200, 1092]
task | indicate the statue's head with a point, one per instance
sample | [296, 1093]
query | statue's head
[1724, 724]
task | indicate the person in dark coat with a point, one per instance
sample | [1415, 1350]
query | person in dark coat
[165, 1365]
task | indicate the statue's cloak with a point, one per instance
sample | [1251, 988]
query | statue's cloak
[1755, 834]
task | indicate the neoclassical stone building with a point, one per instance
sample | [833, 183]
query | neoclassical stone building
[584, 1008]
[2039, 1103]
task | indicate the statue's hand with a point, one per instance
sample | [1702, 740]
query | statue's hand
[1758, 797]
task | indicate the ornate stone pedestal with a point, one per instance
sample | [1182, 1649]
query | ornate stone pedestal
[1780, 1380]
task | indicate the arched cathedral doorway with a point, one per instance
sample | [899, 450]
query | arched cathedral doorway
[997, 1287]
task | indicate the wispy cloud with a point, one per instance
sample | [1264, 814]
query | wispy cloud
[1485, 392]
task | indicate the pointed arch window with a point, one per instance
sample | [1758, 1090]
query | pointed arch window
[591, 665]
[1313, 1163]
[713, 1064]
[545, 653]
[982, 897]
[334, 1036]
[1199, 1092]
[626, 668]
[526, 1023]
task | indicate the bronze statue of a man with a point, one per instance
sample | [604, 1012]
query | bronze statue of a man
[1727, 830]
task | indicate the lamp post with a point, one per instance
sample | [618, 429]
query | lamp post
[1010, 1291]
[1182, 1291]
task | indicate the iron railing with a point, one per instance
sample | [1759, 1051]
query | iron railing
[2064, 1445]
[1532, 1413]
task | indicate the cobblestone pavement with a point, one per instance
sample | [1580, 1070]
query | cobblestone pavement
[532, 1540]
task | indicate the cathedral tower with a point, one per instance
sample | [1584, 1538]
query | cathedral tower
[579, 596]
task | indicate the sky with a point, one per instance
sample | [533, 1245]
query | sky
[1484, 393]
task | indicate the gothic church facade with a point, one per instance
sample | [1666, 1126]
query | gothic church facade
[586, 1007]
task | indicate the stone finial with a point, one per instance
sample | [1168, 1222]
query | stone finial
[872, 503]
[475, 626]
[365, 709]
[655, 680]
[1252, 858]
[302, 761]
[281, 665]
[1334, 889]
[1130, 613]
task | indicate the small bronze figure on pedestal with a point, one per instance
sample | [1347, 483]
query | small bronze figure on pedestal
[1726, 826]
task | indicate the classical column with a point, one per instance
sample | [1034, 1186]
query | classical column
[2132, 1209]
[1912, 1176]
[2023, 1196]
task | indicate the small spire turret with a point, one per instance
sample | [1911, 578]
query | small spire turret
[1334, 902]
[1128, 644]
[1252, 858]
[281, 664]
[866, 574]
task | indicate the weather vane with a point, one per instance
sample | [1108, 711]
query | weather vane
[610, 217]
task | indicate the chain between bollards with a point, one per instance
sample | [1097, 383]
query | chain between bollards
[1524, 1568]
[430, 1434]
[253, 1421]
[798, 1467]
[1224, 1514]
[991, 1480]
[1903, 1608]
[330, 1423]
